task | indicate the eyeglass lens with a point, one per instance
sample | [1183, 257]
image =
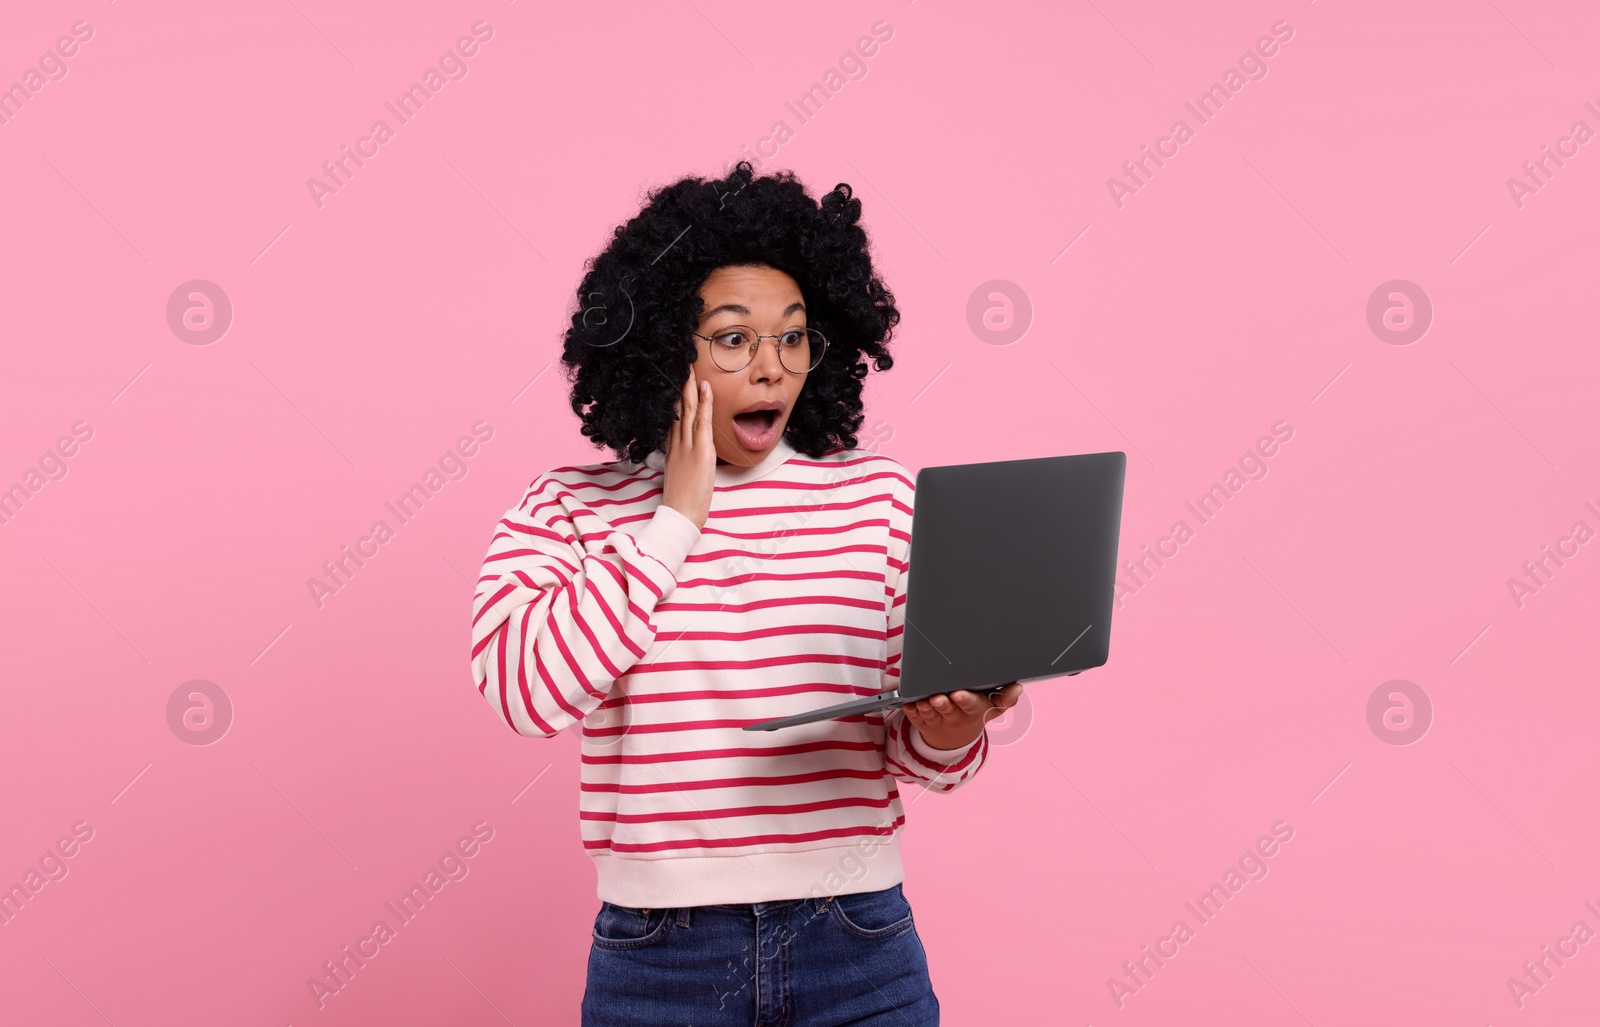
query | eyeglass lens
[799, 349]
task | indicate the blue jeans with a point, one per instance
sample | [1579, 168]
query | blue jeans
[848, 959]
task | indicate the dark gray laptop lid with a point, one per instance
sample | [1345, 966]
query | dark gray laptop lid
[1033, 598]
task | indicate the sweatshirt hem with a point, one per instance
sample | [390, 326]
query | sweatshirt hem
[943, 756]
[668, 538]
[869, 864]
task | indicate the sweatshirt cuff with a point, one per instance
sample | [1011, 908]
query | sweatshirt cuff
[933, 755]
[668, 537]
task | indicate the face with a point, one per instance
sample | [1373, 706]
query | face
[768, 301]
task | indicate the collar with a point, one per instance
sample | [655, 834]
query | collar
[730, 474]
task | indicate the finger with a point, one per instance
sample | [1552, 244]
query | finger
[703, 423]
[968, 702]
[679, 409]
[1009, 696]
[941, 704]
[691, 389]
[687, 426]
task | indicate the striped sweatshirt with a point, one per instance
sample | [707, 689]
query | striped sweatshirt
[599, 606]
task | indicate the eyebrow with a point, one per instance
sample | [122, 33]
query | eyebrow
[740, 308]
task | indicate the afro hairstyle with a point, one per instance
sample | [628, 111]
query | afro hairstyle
[628, 349]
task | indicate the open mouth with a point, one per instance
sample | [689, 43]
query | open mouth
[756, 429]
[757, 420]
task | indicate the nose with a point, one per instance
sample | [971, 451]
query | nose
[766, 364]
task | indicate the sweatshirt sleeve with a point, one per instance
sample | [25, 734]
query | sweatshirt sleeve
[910, 758]
[553, 625]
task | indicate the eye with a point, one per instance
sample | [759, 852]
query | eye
[794, 337]
[732, 338]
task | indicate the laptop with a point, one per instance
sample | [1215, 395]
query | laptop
[1016, 565]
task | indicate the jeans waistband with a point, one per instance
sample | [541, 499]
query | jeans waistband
[683, 915]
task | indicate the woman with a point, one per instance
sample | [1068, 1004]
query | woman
[741, 560]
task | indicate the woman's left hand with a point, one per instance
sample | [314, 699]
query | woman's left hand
[953, 720]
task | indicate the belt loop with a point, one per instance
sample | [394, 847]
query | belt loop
[683, 916]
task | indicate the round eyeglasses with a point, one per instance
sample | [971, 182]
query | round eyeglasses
[734, 347]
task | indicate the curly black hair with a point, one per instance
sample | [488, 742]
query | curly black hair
[628, 350]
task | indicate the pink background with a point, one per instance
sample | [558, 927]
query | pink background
[1227, 294]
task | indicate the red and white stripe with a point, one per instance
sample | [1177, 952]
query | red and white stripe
[598, 604]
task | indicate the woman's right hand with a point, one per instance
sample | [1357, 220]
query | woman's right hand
[691, 464]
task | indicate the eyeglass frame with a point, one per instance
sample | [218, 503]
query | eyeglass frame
[756, 345]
